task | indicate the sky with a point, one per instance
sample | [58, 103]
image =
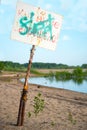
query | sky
[72, 44]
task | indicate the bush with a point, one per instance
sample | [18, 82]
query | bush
[78, 72]
[63, 75]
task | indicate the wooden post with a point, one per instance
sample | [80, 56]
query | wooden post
[23, 99]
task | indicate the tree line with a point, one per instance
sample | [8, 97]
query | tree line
[11, 66]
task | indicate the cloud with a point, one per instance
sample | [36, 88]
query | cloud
[1, 11]
[5, 22]
[83, 26]
[66, 4]
[66, 38]
[11, 3]
[40, 2]
[5, 2]
[48, 6]
[75, 16]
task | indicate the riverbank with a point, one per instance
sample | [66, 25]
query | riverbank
[64, 110]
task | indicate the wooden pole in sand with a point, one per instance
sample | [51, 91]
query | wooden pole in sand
[23, 99]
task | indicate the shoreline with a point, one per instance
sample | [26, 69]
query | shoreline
[74, 87]
[64, 109]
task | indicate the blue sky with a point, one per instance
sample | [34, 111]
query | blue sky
[72, 44]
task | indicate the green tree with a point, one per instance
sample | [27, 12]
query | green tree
[84, 66]
[1, 66]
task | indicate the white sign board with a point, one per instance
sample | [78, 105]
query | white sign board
[36, 26]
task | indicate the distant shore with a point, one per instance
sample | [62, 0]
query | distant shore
[64, 109]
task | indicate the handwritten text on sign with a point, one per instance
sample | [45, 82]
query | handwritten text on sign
[36, 26]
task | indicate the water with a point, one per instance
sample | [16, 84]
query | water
[52, 82]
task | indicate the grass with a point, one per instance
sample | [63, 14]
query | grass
[77, 75]
[38, 73]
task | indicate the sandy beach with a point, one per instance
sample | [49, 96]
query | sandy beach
[64, 110]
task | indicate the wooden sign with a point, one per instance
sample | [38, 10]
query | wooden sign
[36, 26]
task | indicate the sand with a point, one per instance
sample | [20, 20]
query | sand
[64, 110]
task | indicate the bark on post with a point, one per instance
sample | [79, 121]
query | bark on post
[23, 99]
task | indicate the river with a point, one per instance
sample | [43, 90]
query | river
[52, 82]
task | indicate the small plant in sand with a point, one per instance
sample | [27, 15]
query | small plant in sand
[70, 117]
[52, 123]
[38, 105]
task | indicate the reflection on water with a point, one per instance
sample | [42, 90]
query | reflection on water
[78, 80]
[75, 84]
[75, 80]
